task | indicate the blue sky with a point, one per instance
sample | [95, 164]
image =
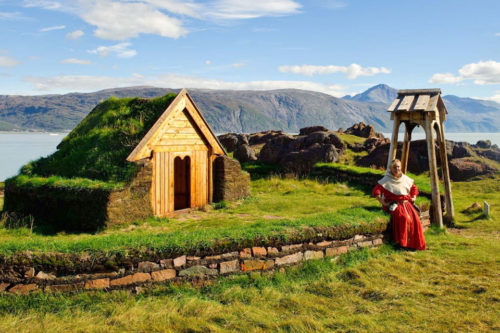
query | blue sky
[336, 47]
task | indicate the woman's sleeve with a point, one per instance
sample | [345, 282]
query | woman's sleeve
[413, 191]
[377, 190]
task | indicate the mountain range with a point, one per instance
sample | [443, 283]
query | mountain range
[248, 111]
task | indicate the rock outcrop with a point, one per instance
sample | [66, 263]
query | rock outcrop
[364, 131]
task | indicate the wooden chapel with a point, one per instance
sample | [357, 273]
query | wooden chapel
[424, 107]
[182, 148]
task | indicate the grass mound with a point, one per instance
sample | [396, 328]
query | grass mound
[98, 146]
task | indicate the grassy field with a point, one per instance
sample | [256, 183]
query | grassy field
[277, 206]
[454, 286]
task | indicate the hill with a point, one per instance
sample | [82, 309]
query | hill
[247, 111]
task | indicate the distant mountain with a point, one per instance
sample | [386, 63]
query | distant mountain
[380, 93]
[225, 110]
[248, 111]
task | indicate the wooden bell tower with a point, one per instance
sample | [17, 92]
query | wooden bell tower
[424, 107]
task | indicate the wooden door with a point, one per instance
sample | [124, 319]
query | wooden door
[161, 189]
[182, 183]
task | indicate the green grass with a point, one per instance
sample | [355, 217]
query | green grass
[452, 287]
[98, 147]
[278, 210]
[60, 182]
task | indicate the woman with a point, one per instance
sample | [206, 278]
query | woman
[397, 192]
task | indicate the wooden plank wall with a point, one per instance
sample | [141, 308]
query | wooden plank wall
[182, 139]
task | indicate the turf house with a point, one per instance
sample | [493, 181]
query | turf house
[129, 159]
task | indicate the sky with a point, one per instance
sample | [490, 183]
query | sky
[338, 47]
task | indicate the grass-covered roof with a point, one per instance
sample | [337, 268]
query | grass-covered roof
[97, 148]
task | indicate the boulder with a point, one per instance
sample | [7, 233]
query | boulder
[231, 141]
[311, 129]
[263, 137]
[301, 162]
[364, 131]
[276, 148]
[465, 168]
[483, 144]
[244, 153]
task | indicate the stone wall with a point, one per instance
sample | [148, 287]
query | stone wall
[230, 182]
[185, 267]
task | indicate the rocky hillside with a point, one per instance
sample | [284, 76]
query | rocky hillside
[247, 111]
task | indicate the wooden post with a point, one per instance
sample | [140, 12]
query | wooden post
[450, 210]
[406, 147]
[437, 217]
[394, 141]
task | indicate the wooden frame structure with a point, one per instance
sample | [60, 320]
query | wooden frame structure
[182, 147]
[424, 107]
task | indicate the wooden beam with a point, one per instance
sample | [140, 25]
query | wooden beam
[437, 217]
[394, 142]
[406, 147]
[450, 210]
[394, 105]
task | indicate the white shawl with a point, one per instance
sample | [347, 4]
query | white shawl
[397, 186]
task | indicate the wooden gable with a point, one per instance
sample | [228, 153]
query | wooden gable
[181, 125]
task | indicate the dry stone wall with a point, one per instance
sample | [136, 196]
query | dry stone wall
[230, 182]
[187, 267]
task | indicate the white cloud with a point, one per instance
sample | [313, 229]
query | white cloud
[208, 62]
[244, 9]
[497, 34]
[351, 72]
[121, 50]
[445, 78]
[75, 61]
[494, 98]
[56, 27]
[13, 16]
[482, 72]
[238, 64]
[42, 4]
[124, 20]
[66, 83]
[74, 34]
[8, 62]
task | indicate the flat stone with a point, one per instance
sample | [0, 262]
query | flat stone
[4, 286]
[64, 287]
[131, 279]
[272, 251]
[377, 241]
[286, 248]
[230, 255]
[193, 258]
[166, 263]
[30, 273]
[213, 265]
[259, 251]
[246, 253]
[335, 251]
[359, 238]
[256, 264]
[324, 243]
[290, 259]
[147, 266]
[365, 244]
[180, 261]
[23, 289]
[217, 257]
[198, 271]
[164, 274]
[45, 276]
[309, 255]
[229, 266]
[97, 284]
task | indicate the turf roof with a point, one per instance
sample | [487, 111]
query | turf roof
[97, 148]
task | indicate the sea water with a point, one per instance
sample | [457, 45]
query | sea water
[17, 149]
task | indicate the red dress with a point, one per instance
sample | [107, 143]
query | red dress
[406, 226]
